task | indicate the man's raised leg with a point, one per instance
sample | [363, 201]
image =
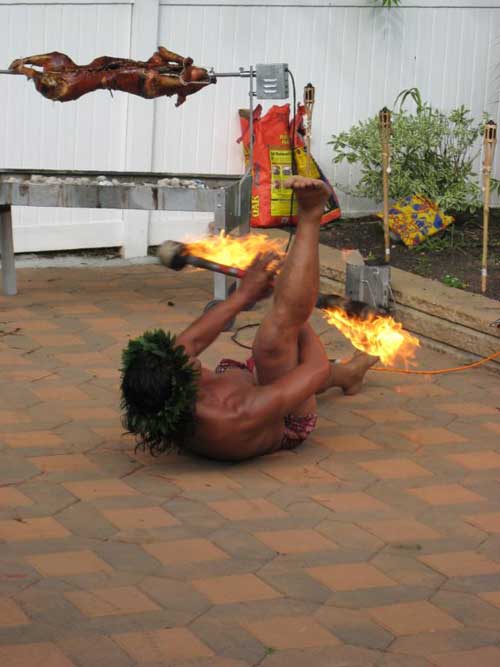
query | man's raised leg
[276, 345]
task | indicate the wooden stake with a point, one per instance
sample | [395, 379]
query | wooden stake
[309, 93]
[489, 142]
[385, 133]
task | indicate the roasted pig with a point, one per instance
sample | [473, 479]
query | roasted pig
[165, 73]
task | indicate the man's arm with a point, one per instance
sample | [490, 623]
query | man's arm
[281, 397]
[254, 286]
[203, 331]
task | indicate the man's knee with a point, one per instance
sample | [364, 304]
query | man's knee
[287, 322]
[274, 338]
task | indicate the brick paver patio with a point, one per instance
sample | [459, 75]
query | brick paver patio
[375, 543]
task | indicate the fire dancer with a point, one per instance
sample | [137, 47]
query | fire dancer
[242, 410]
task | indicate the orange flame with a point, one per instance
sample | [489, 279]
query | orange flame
[379, 336]
[235, 251]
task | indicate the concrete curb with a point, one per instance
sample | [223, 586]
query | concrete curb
[447, 316]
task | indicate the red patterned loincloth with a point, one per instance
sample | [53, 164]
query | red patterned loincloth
[297, 427]
[226, 364]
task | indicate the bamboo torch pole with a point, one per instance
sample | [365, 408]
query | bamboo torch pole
[309, 93]
[489, 142]
[385, 133]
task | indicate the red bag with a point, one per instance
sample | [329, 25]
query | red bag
[273, 162]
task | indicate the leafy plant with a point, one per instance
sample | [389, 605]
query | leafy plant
[414, 94]
[391, 3]
[432, 153]
[495, 185]
[453, 281]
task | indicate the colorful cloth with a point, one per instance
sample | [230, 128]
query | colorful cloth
[297, 427]
[226, 364]
[413, 219]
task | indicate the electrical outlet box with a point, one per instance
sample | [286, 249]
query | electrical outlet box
[272, 81]
[371, 284]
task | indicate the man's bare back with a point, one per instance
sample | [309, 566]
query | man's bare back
[225, 427]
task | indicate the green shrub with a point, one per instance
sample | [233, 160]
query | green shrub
[432, 153]
[453, 281]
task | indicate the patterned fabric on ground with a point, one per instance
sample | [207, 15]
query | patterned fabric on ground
[226, 364]
[413, 219]
[297, 429]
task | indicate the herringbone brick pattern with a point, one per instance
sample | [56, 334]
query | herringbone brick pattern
[375, 543]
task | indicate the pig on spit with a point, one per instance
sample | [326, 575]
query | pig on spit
[165, 73]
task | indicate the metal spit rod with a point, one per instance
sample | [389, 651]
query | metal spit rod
[219, 75]
[244, 73]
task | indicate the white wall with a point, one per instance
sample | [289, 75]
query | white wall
[358, 57]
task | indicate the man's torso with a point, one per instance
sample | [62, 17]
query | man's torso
[226, 429]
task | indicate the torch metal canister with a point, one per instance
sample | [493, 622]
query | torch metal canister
[369, 284]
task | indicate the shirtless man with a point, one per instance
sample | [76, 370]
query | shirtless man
[242, 410]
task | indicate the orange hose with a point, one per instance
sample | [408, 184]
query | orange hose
[439, 372]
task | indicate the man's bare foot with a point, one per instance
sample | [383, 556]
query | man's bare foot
[354, 372]
[312, 194]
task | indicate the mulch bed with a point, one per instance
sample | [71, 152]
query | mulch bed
[453, 257]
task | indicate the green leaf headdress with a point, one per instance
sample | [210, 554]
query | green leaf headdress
[159, 388]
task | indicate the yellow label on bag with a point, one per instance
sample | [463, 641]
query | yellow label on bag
[281, 170]
[255, 206]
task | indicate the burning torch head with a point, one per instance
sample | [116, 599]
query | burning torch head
[172, 255]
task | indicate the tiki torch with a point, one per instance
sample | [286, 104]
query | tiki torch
[385, 133]
[489, 143]
[309, 93]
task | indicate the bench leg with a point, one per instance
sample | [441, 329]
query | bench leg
[221, 282]
[9, 285]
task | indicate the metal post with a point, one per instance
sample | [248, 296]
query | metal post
[251, 96]
[221, 283]
[7, 249]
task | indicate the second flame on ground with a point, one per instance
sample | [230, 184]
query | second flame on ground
[380, 336]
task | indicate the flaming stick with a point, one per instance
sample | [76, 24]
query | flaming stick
[367, 329]
[309, 94]
[489, 143]
[385, 132]
[176, 256]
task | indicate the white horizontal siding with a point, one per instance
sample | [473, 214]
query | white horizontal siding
[375, 5]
